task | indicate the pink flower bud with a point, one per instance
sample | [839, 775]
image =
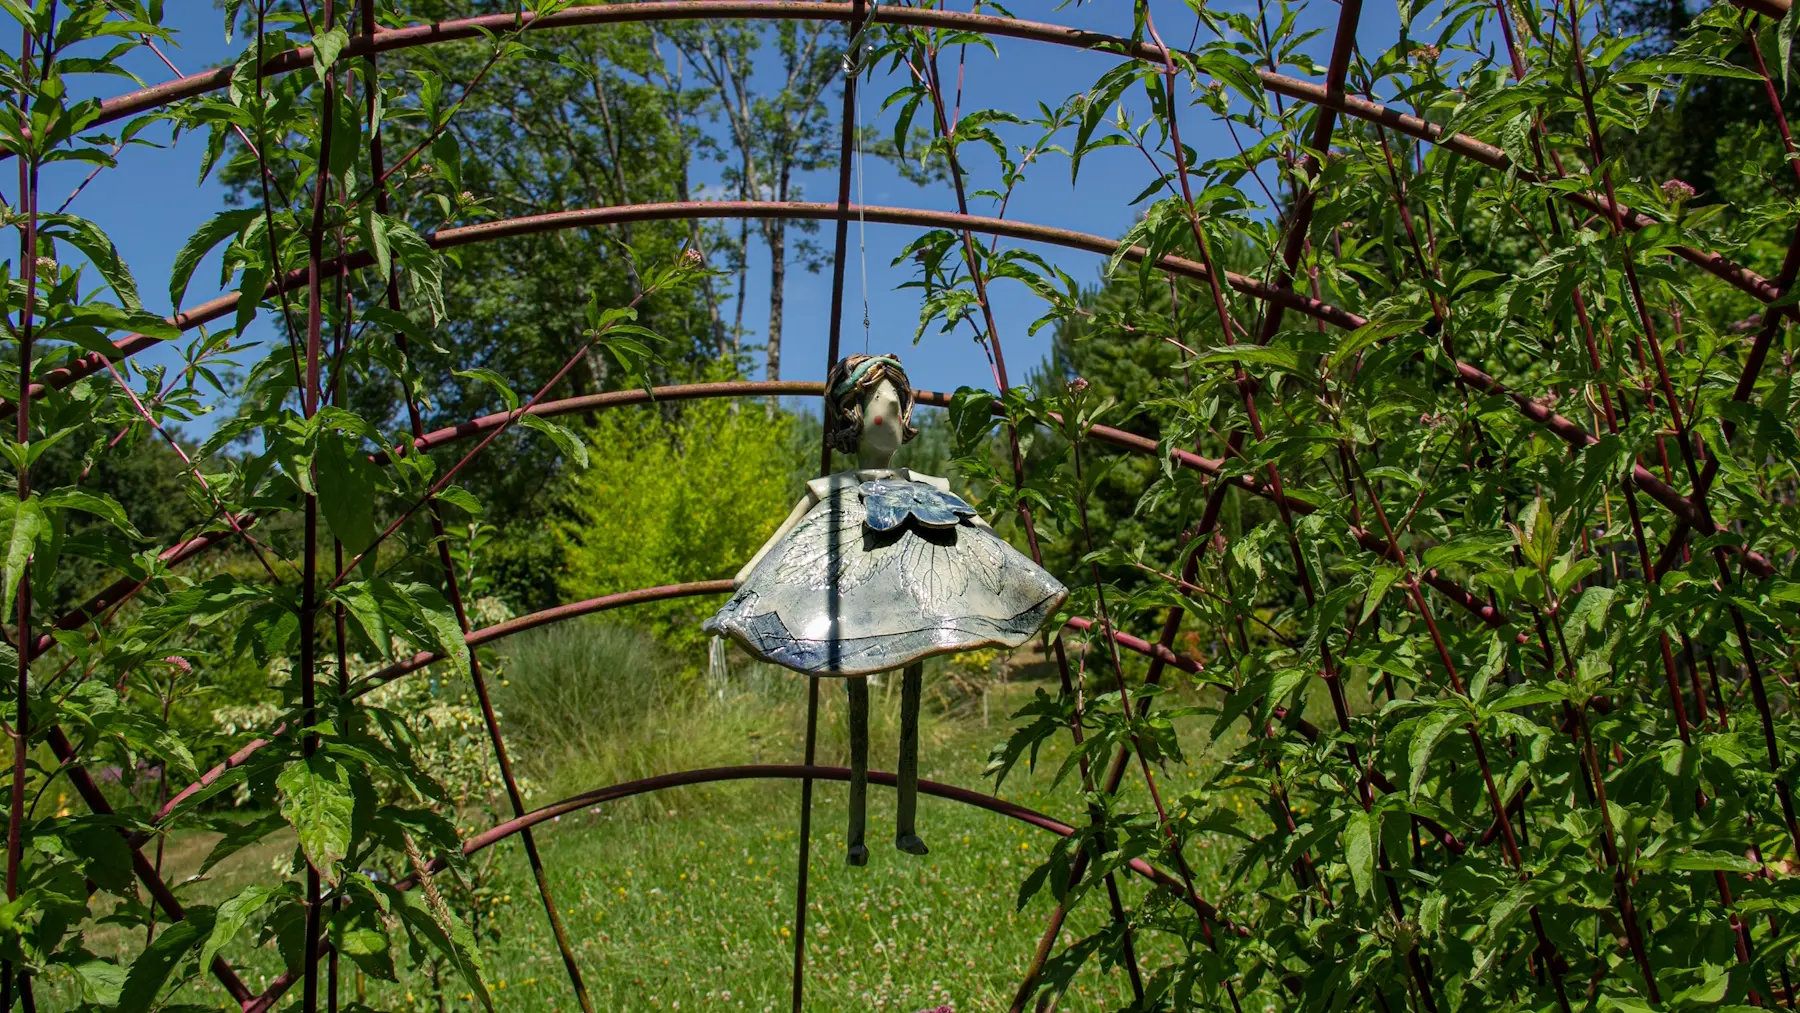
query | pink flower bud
[1678, 191]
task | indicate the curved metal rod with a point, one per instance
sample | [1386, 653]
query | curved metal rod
[484, 635]
[225, 305]
[768, 771]
[1307, 730]
[1106, 434]
[1034, 31]
[124, 588]
[555, 614]
[794, 771]
[1652, 485]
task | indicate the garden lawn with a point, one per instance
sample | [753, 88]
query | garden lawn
[685, 900]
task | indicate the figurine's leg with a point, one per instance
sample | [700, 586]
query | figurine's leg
[911, 688]
[858, 688]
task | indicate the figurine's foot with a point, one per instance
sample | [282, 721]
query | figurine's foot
[858, 854]
[911, 844]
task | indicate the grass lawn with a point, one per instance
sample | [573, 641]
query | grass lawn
[685, 900]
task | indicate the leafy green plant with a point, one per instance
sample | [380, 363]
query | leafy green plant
[1497, 627]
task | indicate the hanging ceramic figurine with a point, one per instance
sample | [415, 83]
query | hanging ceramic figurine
[877, 569]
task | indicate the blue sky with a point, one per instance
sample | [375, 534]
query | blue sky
[153, 201]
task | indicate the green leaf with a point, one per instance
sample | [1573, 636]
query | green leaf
[100, 251]
[1713, 861]
[219, 228]
[440, 619]
[1784, 42]
[22, 526]
[424, 267]
[346, 482]
[1380, 580]
[316, 799]
[101, 980]
[1425, 739]
[462, 499]
[1654, 70]
[326, 46]
[1359, 836]
[573, 447]
[1464, 548]
[87, 501]
[375, 237]
[152, 967]
[106, 857]
[238, 837]
[450, 937]
[1494, 665]
[1589, 612]
[359, 933]
[493, 380]
[233, 915]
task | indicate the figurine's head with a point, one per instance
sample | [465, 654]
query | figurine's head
[868, 406]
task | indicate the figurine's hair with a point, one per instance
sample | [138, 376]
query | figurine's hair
[844, 388]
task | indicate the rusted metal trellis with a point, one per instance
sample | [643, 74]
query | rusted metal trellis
[1690, 511]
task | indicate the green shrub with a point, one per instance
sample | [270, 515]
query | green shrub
[668, 499]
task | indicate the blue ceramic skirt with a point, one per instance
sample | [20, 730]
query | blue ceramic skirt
[881, 575]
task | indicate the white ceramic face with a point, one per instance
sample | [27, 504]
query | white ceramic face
[882, 429]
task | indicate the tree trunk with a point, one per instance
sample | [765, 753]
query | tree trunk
[743, 274]
[775, 229]
[777, 236]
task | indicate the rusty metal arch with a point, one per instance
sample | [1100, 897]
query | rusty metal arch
[1334, 99]
[769, 771]
[1653, 485]
[444, 239]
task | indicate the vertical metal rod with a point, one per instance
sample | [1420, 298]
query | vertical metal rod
[846, 148]
[806, 795]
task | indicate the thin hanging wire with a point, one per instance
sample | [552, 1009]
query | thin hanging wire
[862, 223]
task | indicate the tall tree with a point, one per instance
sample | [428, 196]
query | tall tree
[774, 133]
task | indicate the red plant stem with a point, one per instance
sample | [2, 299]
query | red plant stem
[28, 243]
[1685, 443]
[444, 481]
[1297, 226]
[309, 601]
[1652, 572]
[1771, 324]
[927, 74]
[1246, 393]
[1511, 845]
[194, 470]
[1305, 199]
[452, 587]
[1171, 839]
[266, 178]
